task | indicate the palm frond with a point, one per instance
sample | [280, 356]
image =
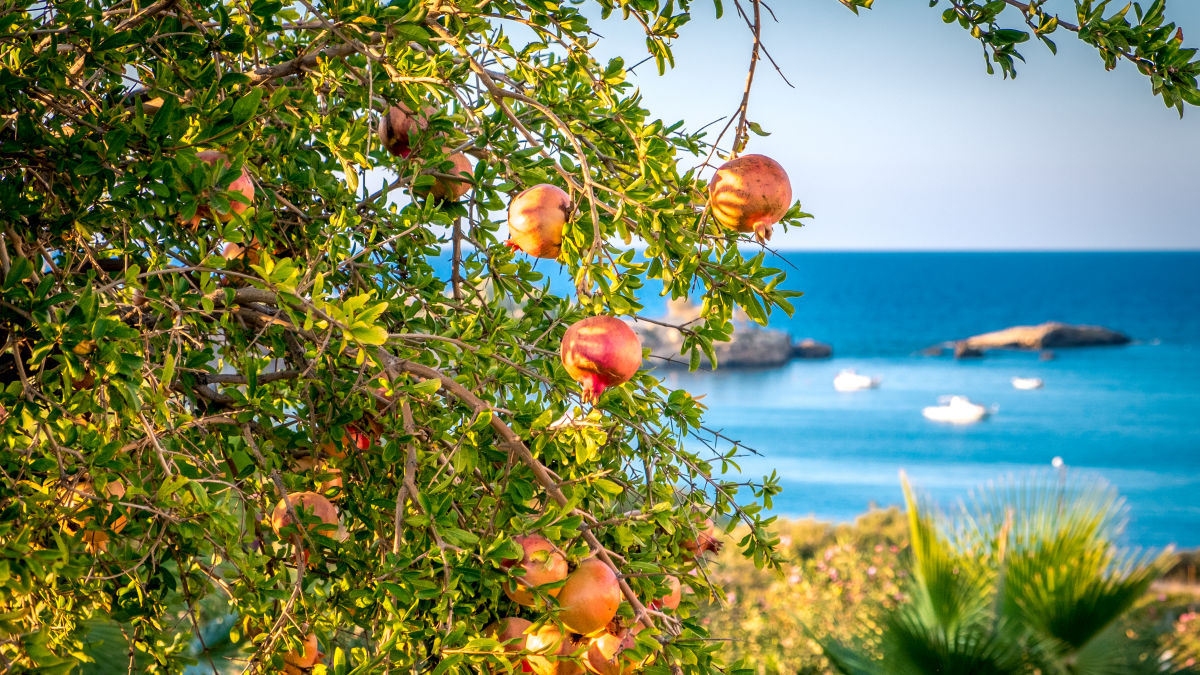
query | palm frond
[949, 589]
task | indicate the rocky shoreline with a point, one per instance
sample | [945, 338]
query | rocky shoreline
[750, 347]
[755, 347]
[1043, 337]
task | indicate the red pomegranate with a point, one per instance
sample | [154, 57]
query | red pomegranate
[359, 435]
[605, 654]
[535, 220]
[295, 663]
[396, 127]
[590, 597]
[706, 539]
[308, 504]
[450, 189]
[750, 194]
[600, 352]
[242, 185]
[542, 564]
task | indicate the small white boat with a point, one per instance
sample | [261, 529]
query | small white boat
[1027, 383]
[849, 380]
[956, 410]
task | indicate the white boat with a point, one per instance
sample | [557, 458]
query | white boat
[956, 410]
[849, 380]
[1027, 383]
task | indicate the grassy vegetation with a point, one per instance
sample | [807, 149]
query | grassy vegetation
[841, 581]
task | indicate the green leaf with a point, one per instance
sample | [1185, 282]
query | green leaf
[246, 107]
[369, 335]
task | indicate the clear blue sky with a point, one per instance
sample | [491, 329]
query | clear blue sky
[895, 137]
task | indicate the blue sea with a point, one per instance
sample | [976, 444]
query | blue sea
[1130, 414]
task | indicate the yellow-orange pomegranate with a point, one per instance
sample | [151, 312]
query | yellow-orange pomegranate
[670, 600]
[248, 253]
[519, 635]
[600, 352]
[750, 194]
[536, 218]
[396, 127]
[606, 654]
[243, 185]
[447, 189]
[542, 564]
[295, 663]
[589, 598]
[306, 504]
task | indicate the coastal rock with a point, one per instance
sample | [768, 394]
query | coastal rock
[1046, 336]
[750, 347]
[963, 350]
[809, 348]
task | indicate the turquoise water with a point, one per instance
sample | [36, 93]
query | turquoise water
[1130, 414]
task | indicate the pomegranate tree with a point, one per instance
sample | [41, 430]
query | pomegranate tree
[750, 194]
[590, 597]
[535, 220]
[541, 564]
[600, 352]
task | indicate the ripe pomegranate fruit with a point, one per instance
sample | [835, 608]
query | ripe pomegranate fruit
[242, 185]
[308, 504]
[397, 125]
[248, 253]
[605, 654]
[706, 539]
[519, 635]
[750, 194]
[359, 435]
[670, 600]
[296, 663]
[535, 220]
[449, 189]
[600, 352]
[542, 564]
[589, 598]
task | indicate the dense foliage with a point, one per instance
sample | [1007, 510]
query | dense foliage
[210, 302]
